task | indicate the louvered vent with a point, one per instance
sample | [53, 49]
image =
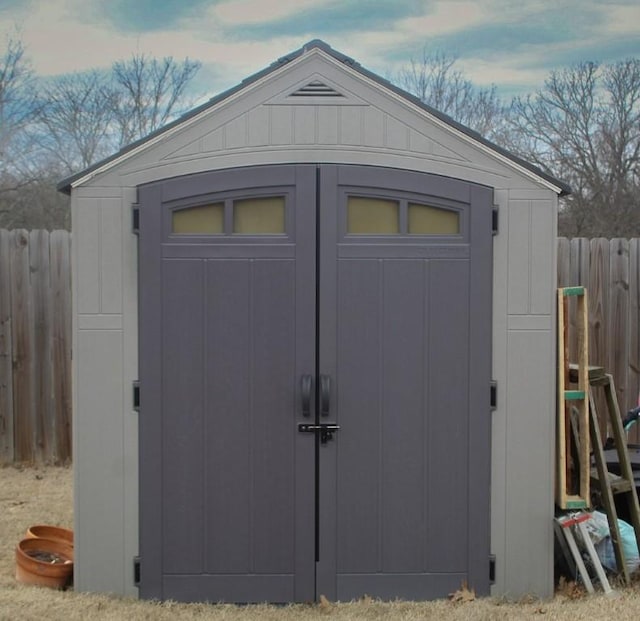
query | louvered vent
[316, 89]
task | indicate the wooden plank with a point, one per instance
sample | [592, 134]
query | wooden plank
[61, 343]
[618, 322]
[598, 308]
[41, 308]
[22, 338]
[634, 332]
[566, 469]
[6, 352]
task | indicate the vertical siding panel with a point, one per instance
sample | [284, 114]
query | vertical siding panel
[619, 317]
[213, 141]
[259, 126]
[6, 352]
[328, 125]
[61, 344]
[236, 132]
[542, 256]
[304, 128]
[396, 134]
[373, 127]
[351, 125]
[281, 124]
[518, 259]
[87, 235]
[22, 339]
[110, 256]
[42, 380]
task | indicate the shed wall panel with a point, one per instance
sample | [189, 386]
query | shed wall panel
[110, 256]
[328, 124]
[99, 475]
[529, 464]
[86, 228]
[259, 126]
[129, 374]
[543, 255]
[518, 259]
[304, 124]
[498, 431]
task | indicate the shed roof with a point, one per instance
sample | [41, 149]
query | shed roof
[68, 183]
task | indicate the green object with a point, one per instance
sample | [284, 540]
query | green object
[567, 291]
[576, 504]
[574, 395]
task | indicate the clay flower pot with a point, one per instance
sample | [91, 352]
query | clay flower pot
[54, 533]
[44, 562]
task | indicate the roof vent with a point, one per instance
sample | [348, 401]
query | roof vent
[316, 89]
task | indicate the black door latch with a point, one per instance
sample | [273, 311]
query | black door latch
[326, 430]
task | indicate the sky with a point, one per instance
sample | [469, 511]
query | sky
[513, 44]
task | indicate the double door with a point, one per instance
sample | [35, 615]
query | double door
[314, 370]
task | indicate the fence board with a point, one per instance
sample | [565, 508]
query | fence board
[61, 345]
[619, 316]
[6, 352]
[41, 308]
[35, 346]
[22, 338]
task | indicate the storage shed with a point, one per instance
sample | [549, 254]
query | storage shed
[339, 306]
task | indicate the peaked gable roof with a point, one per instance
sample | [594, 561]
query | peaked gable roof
[309, 91]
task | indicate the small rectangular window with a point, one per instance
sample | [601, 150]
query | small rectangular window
[372, 216]
[200, 220]
[259, 216]
[428, 220]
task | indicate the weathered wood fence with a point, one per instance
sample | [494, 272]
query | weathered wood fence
[35, 332]
[610, 269]
[35, 346]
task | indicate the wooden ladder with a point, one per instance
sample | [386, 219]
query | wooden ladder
[572, 457]
[608, 483]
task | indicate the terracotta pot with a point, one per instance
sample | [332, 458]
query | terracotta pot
[54, 533]
[34, 564]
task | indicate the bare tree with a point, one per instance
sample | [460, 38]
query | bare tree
[17, 107]
[584, 126]
[436, 81]
[150, 93]
[75, 120]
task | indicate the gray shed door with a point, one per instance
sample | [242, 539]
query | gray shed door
[276, 305]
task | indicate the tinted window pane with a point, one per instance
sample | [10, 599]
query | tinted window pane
[372, 216]
[259, 216]
[427, 220]
[200, 220]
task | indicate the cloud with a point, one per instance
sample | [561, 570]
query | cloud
[331, 17]
[144, 15]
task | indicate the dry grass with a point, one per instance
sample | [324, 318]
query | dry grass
[43, 495]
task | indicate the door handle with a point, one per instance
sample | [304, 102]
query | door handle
[325, 395]
[305, 390]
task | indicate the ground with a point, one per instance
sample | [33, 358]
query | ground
[41, 495]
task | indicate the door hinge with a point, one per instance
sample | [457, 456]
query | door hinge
[136, 396]
[494, 220]
[136, 571]
[493, 398]
[135, 219]
[492, 568]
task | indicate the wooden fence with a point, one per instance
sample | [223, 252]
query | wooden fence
[610, 269]
[35, 332]
[35, 346]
